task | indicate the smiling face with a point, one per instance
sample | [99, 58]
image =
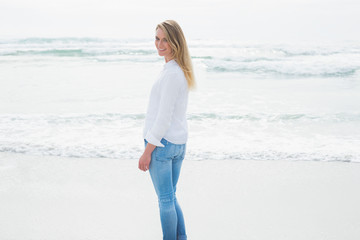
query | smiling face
[162, 45]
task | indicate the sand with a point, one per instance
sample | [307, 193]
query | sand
[56, 198]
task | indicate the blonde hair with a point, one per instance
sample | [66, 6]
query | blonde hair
[180, 52]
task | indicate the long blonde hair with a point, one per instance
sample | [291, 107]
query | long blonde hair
[180, 52]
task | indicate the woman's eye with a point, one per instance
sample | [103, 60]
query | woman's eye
[165, 40]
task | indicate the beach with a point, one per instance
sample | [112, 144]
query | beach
[94, 198]
[273, 149]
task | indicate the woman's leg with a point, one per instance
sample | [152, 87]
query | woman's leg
[176, 167]
[161, 175]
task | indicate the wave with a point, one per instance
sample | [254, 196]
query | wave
[70, 118]
[258, 60]
[73, 151]
[304, 72]
[77, 52]
[255, 66]
[251, 117]
[38, 40]
[272, 155]
[116, 135]
[131, 152]
[337, 117]
[96, 50]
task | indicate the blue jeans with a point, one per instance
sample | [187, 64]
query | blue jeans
[164, 170]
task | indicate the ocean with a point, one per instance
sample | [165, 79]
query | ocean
[87, 97]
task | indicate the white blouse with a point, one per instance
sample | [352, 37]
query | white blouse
[166, 113]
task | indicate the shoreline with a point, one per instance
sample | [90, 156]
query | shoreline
[83, 198]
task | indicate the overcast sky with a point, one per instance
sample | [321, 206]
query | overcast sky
[259, 20]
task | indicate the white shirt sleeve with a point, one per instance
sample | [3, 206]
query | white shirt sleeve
[170, 87]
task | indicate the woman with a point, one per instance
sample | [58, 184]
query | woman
[165, 130]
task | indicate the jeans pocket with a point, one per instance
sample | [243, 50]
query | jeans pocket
[181, 150]
[164, 154]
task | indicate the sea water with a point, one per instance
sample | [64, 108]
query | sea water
[87, 97]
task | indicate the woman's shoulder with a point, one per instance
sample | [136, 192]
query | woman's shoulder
[173, 69]
[174, 78]
[175, 75]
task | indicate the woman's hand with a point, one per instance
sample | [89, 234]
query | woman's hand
[145, 159]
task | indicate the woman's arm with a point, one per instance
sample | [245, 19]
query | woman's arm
[145, 158]
[171, 86]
